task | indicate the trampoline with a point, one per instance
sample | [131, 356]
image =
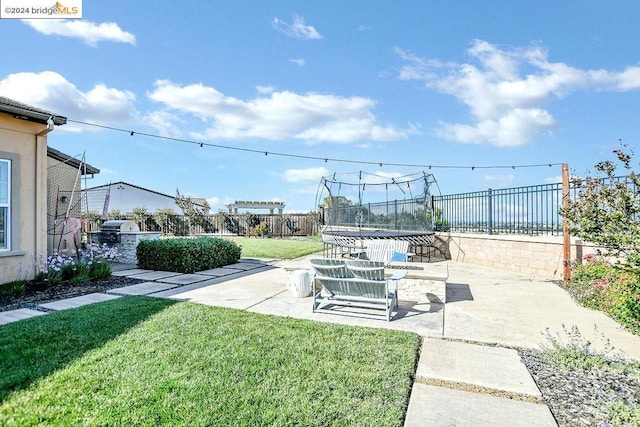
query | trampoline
[406, 213]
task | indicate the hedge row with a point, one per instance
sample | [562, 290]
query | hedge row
[187, 255]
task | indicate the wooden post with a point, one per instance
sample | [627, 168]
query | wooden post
[566, 237]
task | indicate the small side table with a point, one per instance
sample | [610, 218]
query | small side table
[300, 283]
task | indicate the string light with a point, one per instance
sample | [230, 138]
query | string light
[299, 156]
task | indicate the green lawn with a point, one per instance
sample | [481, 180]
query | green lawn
[276, 248]
[147, 361]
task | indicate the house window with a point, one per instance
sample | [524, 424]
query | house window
[5, 204]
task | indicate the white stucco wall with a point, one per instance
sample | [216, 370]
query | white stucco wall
[125, 198]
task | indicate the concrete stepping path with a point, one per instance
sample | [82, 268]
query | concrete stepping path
[153, 275]
[130, 272]
[160, 283]
[76, 302]
[496, 368]
[184, 279]
[144, 288]
[439, 406]
[459, 383]
[19, 314]
[221, 271]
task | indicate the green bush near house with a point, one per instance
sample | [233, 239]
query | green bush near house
[13, 288]
[186, 255]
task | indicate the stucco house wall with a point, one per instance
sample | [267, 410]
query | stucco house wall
[23, 141]
[124, 197]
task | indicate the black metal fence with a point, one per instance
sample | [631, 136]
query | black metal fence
[533, 210]
[520, 210]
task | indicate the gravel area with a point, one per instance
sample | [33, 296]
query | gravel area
[580, 398]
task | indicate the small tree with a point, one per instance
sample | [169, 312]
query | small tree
[606, 210]
[162, 217]
[140, 216]
[115, 214]
[92, 220]
[196, 213]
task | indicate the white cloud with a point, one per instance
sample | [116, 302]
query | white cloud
[215, 203]
[105, 171]
[310, 175]
[265, 89]
[310, 117]
[506, 90]
[51, 91]
[297, 29]
[300, 62]
[553, 179]
[165, 122]
[89, 32]
[508, 130]
[499, 180]
[381, 177]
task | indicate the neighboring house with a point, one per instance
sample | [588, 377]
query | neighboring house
[124, 197]
[23, 187]
[64, 183]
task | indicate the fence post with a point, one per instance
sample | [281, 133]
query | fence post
[490, 213]
[395, 214]
[566, 237]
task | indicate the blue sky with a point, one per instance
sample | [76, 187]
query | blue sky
[453, 85]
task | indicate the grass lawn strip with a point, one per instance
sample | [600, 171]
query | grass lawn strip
[276, 248]
[141, 360]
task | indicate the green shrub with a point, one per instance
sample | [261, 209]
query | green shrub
[99, 270]
[187, 255]
[612, 289]
[13, 288]
[590, 282]
[260, 230]
[624, 415]
[625, 300]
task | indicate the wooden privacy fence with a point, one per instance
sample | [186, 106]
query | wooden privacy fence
[222, 224]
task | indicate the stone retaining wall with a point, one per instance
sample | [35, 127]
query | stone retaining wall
[539, 256]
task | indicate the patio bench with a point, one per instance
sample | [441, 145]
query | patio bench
[359, 284]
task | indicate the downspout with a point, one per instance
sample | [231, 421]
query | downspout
[41, 188]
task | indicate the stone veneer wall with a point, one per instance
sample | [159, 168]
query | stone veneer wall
[426, 286]
[128, 244]
[539, 256]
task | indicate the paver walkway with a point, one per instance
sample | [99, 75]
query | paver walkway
[158, 281]
[20, 314]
